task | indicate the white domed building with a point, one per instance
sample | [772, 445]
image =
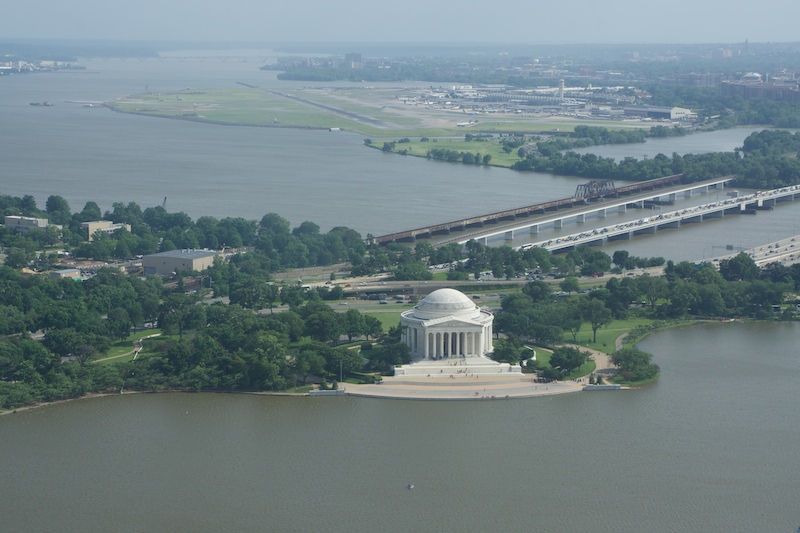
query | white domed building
[449, 336]
[446, 324]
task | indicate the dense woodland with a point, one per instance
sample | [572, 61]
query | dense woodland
[211, 347]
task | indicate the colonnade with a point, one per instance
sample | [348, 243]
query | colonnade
[448, 344]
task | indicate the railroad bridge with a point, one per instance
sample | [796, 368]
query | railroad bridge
[592, 191]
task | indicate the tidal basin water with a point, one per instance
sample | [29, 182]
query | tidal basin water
[711, 447]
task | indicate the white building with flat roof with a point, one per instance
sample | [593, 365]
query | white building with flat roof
[106, 226]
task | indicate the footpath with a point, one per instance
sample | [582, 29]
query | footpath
[137, 347]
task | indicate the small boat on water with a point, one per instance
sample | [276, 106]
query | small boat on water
[411, 486]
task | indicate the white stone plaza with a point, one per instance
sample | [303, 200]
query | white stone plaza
[449, 336]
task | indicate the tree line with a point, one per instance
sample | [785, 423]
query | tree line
[766, 160]
[208, 347]
[738, 288]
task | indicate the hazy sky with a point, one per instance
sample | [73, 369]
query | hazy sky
[510, 21]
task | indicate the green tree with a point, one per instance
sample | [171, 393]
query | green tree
[18, 257]
[118, 323]
[180, 312]
[508, 350]
[634, 364]
[652, 287]
[58, 209]
[567, 358]
[538, 291]
[354, 324]
[740, 267]
[596, 313]
[373, 328]
[308, 362]
[570, 284]
[683, 296]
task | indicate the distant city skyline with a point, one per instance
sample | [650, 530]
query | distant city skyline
[516, 22]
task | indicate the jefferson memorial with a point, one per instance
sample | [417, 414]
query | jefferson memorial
[446, 333]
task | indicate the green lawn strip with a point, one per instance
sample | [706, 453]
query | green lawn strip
[585, 369]
[542, 355]
[126, 345]
[244, 107]
[114, 360]
[149, 344]
[494, 148]
[388, 319]
[543, 360]
[620, 381]
[361, 108]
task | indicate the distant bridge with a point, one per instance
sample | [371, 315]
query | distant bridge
[584, 194]
[750, 204]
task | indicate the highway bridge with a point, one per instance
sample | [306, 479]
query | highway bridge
[600, 208]
[600, 202]
[673, 219]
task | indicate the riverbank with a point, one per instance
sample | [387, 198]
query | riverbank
[488, 387]
[93, 395]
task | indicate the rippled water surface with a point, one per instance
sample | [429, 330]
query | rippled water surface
[711, 447]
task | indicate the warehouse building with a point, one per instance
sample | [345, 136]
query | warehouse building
[168, 263]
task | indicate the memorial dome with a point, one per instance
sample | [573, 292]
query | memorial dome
[446, 302]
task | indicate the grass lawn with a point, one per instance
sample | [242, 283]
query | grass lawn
[388, 319]
[606, 336]
[493, 148]
[585, 369]
[114, 359]
[122, 351]
[542, 355]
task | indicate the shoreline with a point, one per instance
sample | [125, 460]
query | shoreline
[487, 387]
[93, 395]
[436, 389]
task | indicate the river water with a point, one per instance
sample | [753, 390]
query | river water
[329, 178]
[711, 447]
